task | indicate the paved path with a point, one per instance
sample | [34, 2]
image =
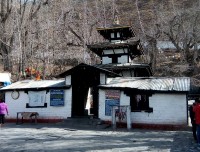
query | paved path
[61, 138]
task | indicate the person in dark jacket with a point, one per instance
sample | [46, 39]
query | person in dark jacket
[192, 118]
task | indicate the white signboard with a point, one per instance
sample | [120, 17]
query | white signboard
[36, 98]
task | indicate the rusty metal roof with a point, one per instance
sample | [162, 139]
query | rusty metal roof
[150, 83]
[32, 84]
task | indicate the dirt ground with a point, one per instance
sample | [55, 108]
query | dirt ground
[62, 138]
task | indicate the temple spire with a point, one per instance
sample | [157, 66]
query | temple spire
[116, 20]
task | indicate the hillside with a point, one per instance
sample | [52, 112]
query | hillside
[144, 16]
[53, 36]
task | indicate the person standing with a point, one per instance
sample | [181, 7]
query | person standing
[3, 111]
[192, 118]
[197, 120]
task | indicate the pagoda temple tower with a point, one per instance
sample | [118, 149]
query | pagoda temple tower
[119, 50]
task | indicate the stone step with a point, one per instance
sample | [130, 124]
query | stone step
[89, 123]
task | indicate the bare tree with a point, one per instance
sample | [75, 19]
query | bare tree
[183, 31]
[50, 35]
[6, 38]
[174, 24]
[149, 35]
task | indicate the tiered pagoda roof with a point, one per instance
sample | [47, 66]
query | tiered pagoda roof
[127, 40]
[133, 46]
[126, 30]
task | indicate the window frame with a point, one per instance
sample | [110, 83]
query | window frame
[115, 35]
[140, 102]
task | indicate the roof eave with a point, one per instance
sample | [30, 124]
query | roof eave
[152, 91]
[35, 89]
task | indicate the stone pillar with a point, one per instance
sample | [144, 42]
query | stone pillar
[128, 117]
[113, 117]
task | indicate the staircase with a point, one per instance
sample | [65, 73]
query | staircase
[83, 123]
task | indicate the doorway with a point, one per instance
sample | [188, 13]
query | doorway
[85, 80]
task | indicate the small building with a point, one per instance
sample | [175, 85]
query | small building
[5, 80]
[46, 97]
[154, 101]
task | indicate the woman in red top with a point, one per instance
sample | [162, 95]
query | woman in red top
[3, 111]
[197, 120]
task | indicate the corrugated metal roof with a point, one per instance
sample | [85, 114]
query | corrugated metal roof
[151, 83]
[31, 84]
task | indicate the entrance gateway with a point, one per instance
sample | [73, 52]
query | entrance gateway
[85, 94]
[85, 80]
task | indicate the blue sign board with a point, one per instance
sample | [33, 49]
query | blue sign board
[56, 97]
[112, 99]
[109, 104]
